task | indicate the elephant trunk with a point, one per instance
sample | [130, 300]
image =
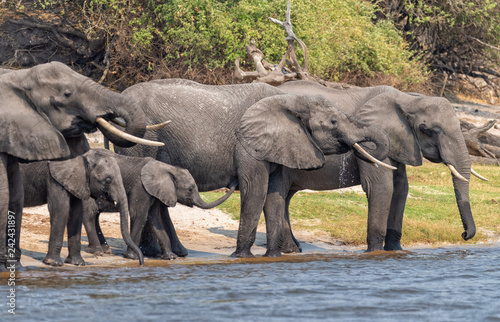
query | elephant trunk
[200, 203]
[461, 188]
[124, 225]
[373, 140]
[458, 157]
[125, 108]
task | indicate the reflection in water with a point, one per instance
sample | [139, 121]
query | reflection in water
[432, 284]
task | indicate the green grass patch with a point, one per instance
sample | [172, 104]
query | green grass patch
[431, 214]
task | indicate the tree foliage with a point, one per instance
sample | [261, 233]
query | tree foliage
[454, 36]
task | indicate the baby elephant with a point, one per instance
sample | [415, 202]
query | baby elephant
[67, 187]
[151, 187]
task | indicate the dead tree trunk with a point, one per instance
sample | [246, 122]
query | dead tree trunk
[479, 143]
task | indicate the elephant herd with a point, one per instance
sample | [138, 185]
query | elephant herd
[267, 142]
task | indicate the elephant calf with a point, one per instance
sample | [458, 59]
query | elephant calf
[151, 187]
[66, 186]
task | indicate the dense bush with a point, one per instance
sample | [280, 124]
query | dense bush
[208, 35]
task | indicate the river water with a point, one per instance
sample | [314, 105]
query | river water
[443, 284]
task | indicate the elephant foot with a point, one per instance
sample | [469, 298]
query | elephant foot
[75, 260]
[180, 251]
[291, 247]
[53, 260]
[392, 240]
[130, 254]
[96, 250]
[106, 249]
[242, 254]
[168, 256]
[273, 253]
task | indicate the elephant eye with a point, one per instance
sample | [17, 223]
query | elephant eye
[108, 180]
[68, 94]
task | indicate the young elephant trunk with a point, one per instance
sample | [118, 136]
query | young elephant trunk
[124, 226]
[200, 203]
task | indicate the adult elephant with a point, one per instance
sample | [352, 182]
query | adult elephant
[39, 108]
[246, 133]
[151, 187]
[418, 126]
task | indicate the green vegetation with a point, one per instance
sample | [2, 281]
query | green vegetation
[345, 41]
[431, 214]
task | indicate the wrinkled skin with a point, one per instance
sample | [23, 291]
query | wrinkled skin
[156, 186]
[70, 188]
[246, 133]
[417, 125]
[40, 109]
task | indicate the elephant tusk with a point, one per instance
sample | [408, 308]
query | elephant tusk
[371, 158]
[456, 174]
[121, 122]
[478, 175]
[102, 122]
[158, 126]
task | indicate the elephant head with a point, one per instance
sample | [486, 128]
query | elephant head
[298, 130]
[95, 174]
[420, 125]
[172, 184]
[43, 105]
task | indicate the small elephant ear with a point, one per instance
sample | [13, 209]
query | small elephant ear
[72, 175]
[28, 135]
[158, 182]
[271, 130]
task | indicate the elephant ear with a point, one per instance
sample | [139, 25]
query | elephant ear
[272, 130]
[72, 175]
[25, 133]
[158, 182]
[387, 111]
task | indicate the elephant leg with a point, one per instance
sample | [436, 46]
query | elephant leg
[289, 244]
[177, 247]
[91, 224]
[155, 223]
[74, 228]
[138, 218]
[253, 189]
[58, 202]
[274, 209]
[378, 186]
[16, 201]
[396, 212]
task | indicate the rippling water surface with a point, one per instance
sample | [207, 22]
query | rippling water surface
[446, 284]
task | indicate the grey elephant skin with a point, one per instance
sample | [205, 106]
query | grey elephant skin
[247, 133]
[418, 126]
[151, 187]
[41, 109]
[70, 188]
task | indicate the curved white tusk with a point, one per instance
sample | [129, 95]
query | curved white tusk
[456, 174]
[478, 175]
[121, 122]
[102, 122]
[371, 158]
[158, 126]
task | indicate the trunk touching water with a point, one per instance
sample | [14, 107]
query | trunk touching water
[200, 203]
[124, 227]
